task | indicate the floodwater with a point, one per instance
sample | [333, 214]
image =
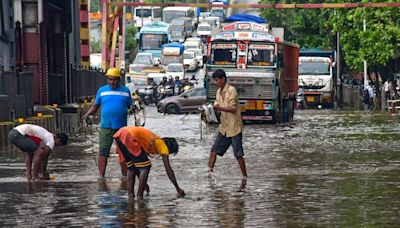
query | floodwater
[330, 169]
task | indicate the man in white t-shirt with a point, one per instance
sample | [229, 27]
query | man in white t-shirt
[37, 142]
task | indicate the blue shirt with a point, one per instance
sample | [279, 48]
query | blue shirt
[114, 106]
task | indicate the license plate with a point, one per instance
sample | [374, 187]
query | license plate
[256, 117]
[310, 99]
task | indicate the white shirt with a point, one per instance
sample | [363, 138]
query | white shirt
[37, 131]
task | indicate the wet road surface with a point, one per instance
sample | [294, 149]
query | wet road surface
[330, 169]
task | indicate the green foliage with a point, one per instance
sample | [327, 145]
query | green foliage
[95, 45]
[316, 28]
[130, 37]
[306, 27]
[380, 42]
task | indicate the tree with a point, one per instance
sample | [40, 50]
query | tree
[378, 45]
[306, 27]
[130, 41]
[95, 45]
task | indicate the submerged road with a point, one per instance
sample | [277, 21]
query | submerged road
[330, 169]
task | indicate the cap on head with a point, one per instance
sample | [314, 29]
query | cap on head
[113, 72]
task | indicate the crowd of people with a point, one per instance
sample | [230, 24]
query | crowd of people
[134, 144]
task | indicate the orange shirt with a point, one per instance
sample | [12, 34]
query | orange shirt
[149, 142]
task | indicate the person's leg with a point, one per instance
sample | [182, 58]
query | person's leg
[242, 166]
[237, 146]
[37, 162]
[28, 164]
[131, 182]
[144, 174]
[124, 169]
[105, 141]
[147, 187]
[102, 161]
[220, 146]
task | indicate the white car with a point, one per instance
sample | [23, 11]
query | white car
[198, 55]
[193, 42]
[175, 69]
[190, 61]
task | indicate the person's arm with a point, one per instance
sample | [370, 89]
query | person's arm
[92, 110]
[232, 97]
[171, 175]
[45, 159]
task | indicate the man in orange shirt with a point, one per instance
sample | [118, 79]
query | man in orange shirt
[134, 146]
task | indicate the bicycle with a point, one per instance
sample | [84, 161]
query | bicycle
[138, 110]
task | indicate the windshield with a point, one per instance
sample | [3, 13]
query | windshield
[138, 82]
[204, 28]
[175, 68]
[144, 12]
[188, 55]
[170, 59]
[142, 61]
[153, 41]
[169, 15]
[314, 68]
[177, 28]
[223, 54]
[261, 55]
[217, 13]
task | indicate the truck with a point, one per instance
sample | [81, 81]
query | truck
[316, 77]
[152, 36]
[172, 53]
[217, 10]
[262, 68]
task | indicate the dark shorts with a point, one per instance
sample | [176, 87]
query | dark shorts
[22, 142]
[134, 163]
[222, 143]
[105, 141]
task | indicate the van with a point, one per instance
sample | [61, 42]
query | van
[145, 14]
[172, 12]
[181, 28]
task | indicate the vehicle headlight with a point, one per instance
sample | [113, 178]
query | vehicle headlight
[142, 91]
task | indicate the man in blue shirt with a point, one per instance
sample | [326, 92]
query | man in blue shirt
[115, 99]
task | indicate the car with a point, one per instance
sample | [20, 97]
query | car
[198, 55]
[175, 69]
[193, 42]
[143, 61]
[189, 60]
[187, 102]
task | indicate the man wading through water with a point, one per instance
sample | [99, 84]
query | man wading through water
[115, 100]
[231, 127]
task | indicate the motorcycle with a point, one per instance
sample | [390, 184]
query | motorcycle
[300, 102]
[147, 95]
[165, 91]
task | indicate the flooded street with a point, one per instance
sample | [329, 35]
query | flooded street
[330, 169]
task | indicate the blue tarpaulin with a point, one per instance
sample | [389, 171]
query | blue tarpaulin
[174, 44]
[246, 17]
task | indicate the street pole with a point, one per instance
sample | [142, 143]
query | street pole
[365, 62]
[338, 76]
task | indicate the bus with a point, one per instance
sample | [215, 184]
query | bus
[152, 36]
[172, 12]
[145, 14]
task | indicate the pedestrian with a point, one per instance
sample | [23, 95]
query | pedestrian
[231, 126]
[37, 143]
[371, 95]
[134, 146]
[387, 88]
[115, 100]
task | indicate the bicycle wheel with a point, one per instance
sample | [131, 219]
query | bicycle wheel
[140, 116]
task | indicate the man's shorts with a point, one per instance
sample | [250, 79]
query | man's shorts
[222, 143]
[106, 140]
[22, 142]
[134, 163]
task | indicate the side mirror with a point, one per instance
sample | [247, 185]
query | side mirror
[185, 96]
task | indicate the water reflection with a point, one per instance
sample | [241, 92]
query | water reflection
[331, 168]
